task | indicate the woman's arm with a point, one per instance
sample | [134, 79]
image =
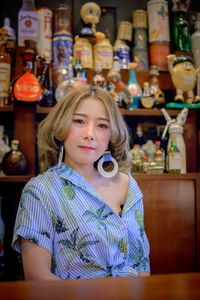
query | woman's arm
[36, 262]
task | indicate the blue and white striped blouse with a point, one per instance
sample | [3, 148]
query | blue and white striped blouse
[60, 211]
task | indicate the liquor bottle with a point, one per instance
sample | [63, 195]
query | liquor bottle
[5, 73]
[146, 100]
[122, 51]
[47, 98]
[4, 145]
[7, 33]
[159, 156]
[174, 157]
[27, 22]
[2, 237]
[182, 36]
[195, 40]
[14, 162]
[98, 79]
[159, 97]
[134, 87]
[139, 137]
[26, 86]
[79, 71]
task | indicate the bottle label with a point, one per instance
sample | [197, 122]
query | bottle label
[62, 47]
[174, 161]
[4, 79]
[123, 54]
[27, 88]
[147, 101]
[44, 45]
[27, 26]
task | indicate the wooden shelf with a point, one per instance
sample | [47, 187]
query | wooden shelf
[133, 112]
[9, 108]
[148, 112]
[19, 178]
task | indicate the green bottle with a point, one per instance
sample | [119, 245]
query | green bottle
[174, 158]
[182, 35]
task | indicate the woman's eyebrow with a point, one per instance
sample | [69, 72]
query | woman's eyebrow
[84, 115]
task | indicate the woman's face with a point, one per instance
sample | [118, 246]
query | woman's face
[89, 134]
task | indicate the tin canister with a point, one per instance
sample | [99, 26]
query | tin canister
[139, 18]
[158, 21]
[44, 45]
[125, 30]
[83, 46]
[62, 18]
[140, 56]
[103, 52]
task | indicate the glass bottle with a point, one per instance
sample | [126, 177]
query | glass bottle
[79, 71]
[146, 100]
[117, 87]
[134, 87]
[14, 162]
[2, 237]
[26, 86]
[5, 73]
[139, 138]
[47, 98]
[195, 40]
[156, 92]
[4, 145]
[66, 85]
[174, 157]
[98, 79]
[27, 22]
[7, 33]
[182, 36]
[159, 156]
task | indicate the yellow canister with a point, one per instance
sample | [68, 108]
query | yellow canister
[83, 46]
[125, 30]
[139, 18]
[103, 51]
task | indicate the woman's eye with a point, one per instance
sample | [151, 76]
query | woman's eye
[79, 121]
[103, 126]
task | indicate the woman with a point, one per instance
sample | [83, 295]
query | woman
[82, 218]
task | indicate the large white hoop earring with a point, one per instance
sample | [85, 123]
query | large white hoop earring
[107, 157]
[60, 157]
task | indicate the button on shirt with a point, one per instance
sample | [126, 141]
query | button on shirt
[60, 211]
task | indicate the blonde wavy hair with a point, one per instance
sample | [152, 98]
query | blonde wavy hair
[53, 130]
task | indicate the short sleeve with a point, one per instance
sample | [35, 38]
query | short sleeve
[34, 221]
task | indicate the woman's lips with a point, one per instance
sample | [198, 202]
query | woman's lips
[86, 148]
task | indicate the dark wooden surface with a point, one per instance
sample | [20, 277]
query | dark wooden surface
[172, 220]
[155, 287]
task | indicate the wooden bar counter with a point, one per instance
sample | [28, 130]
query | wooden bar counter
[156, 287]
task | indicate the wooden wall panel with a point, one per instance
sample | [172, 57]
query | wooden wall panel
[170, 222]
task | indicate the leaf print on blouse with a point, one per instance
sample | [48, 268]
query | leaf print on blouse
[98, 216]
[140, 262]
[138, 214]
[45, 233]
[123, 246]
[77, 247]
[59, 224]
[68, 191]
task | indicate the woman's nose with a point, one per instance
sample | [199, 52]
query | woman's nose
[89, 132]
